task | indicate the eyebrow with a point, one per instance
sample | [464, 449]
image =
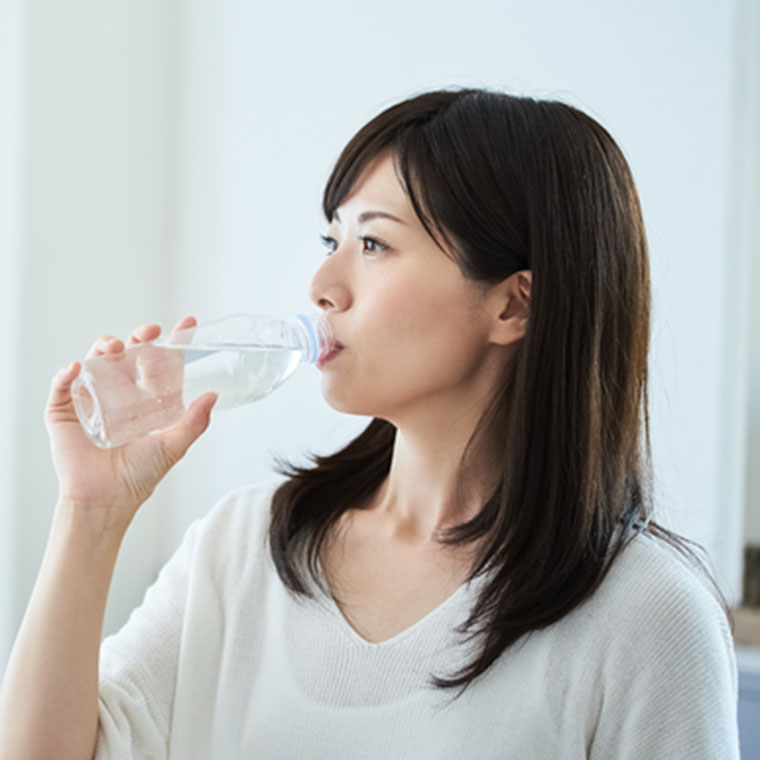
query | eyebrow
[368, 216]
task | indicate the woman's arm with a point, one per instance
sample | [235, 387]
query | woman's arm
[49, 698]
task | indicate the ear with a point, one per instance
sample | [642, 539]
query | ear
[510, 301]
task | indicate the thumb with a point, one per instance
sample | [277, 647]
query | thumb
[178, 438]
[60, 389]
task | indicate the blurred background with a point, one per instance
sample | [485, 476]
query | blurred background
[160, 158]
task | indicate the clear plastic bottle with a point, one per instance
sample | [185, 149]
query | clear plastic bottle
[147, 387]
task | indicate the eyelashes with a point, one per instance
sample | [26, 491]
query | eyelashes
[329, 243]
[370, 245]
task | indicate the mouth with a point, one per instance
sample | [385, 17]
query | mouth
[330, 353]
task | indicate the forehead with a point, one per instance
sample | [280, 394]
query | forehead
[378, 186]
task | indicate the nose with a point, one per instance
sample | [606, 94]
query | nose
[328, 289]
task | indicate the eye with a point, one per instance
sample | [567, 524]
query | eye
[371, 245]
[330, 243]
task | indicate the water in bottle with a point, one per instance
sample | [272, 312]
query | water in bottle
[147, 387]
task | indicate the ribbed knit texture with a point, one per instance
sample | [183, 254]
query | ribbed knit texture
[221, 662]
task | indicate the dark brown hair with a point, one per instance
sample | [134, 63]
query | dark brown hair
[508, 184]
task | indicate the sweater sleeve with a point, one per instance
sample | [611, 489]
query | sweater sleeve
[138, 665]
[669, 679]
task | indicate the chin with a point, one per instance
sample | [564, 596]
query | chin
[350, 406]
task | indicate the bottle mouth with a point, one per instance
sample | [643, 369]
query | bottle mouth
[320, 340]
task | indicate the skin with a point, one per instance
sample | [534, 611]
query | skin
[425, 349]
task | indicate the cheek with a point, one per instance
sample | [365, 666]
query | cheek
[410, 342]
[417, 308]
[421, 345]
[431, 323]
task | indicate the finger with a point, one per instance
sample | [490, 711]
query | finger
[107, 344]
[60, 385]
[185, 322]
[196, 418]
[144, 333]
[159, 368]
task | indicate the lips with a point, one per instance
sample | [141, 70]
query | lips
[332, 351]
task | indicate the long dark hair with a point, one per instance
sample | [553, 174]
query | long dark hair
[509, 184]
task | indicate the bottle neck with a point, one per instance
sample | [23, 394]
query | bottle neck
[312, 335]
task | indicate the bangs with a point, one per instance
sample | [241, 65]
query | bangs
[423, 172]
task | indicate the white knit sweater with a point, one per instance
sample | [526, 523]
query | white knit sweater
[221, 662]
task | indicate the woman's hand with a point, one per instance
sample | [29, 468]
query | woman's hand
[113, 483]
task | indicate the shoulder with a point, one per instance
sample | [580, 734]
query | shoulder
[651, 583]
[659, 657]
[250, 504]
[656, 620]
[653, 597]
[653, 651]
[237, 525]
[654, 623]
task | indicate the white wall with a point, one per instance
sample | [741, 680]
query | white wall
[92, 209]
[173, 163]
[11, 55]
[747, 239]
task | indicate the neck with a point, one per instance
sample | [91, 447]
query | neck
[420, 496]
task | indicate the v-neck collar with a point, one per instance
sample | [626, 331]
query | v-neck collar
[428, 619]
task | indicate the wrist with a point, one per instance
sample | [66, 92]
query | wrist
[97, 523]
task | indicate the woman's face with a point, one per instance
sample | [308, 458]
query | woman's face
[414, 330]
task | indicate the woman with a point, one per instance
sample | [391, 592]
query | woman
[477, 574]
